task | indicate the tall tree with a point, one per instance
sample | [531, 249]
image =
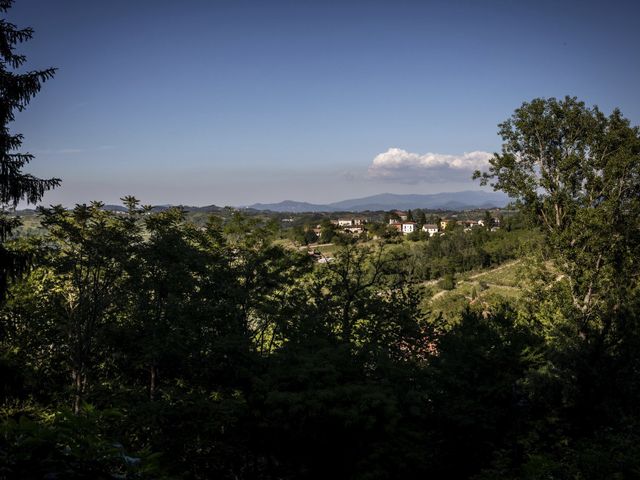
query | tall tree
[488, 220]
[576, 173]
[16, 91]
[90, 251]
[409, 216]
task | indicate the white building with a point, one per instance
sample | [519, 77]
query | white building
[345, 222]
[408, 227]
[430, 228]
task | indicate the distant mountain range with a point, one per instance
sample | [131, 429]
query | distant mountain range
[160, 208]
[466, 200]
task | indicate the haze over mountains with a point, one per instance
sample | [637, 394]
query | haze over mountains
[389, 201]
[466, 200]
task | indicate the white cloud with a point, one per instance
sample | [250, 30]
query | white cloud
[398, 165]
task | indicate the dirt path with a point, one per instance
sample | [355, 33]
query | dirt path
[504, 265]
[440, 294]
[306, 247]
[470, 279]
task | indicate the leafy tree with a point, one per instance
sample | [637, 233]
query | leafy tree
[327, 231]
[376, 229]
[488, 220]
[89, 255]
[409, 216]
[417, 235]
[16, 91]
[392, 215]
[341, 392]
[310, 236]
[477, 401]
[60, 444]
[451, 225]
[261, 270]
[297, 235]
[448, 282]
[576, 173]
[382, 230]
[164, 285]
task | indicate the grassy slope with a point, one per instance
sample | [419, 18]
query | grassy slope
[482, 288]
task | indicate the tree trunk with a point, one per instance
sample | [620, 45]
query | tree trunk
[79, 382]
[153, 375]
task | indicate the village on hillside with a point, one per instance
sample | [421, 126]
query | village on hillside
[404, 223]
[312, 231]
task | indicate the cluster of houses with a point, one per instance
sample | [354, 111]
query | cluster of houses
[351, 225]
[400, 222]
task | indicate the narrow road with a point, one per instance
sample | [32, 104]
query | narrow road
[504, 265]
[307, 247]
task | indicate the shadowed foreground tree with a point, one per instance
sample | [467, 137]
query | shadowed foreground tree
[575, 173]
[90, 253]
[16, 91]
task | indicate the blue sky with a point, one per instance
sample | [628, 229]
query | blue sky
[232, 102]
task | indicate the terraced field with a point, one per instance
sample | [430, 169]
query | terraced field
[479, 289]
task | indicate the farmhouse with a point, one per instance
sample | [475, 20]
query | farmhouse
[408, 227]
[430, 228]
[350, 222]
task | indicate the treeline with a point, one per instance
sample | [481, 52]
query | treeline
[213, 347]
[142, 346]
